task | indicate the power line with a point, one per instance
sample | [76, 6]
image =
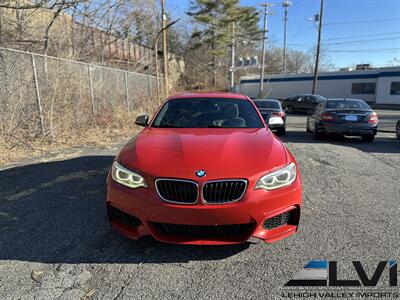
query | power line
[363, 41]
[395, 50]
[351, 42]
[362, 35]
[363, 21]
[300, 27]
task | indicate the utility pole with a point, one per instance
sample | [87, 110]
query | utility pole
[232, 70]
[314, 86]
[156, 55]
[165, 48]
[285, 4]
[266, 13]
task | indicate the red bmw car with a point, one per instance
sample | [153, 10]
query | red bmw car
[205, 170]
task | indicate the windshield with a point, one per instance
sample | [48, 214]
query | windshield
[347, 104]
[208, 112]
[267, 104]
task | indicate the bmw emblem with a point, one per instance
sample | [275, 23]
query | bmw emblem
[200, 173]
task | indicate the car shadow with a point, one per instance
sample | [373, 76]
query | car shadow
[55, 213]
[381, 144]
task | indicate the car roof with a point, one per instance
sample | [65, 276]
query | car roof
[267, 100]
[209, 95]
[310, 95]
[341, 99]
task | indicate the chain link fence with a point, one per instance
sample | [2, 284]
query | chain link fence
[42, 96]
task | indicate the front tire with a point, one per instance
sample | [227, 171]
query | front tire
[368, 138]
[308, 130]
[398, 130]
[281, 131]
[318, 135]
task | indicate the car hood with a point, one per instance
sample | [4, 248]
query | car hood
[221, 152]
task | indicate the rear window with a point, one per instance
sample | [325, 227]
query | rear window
[347, 104]
[320, 98]
[208, 112]
[267, 104]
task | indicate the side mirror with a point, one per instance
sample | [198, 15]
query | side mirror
[274, 122]
[142, 120]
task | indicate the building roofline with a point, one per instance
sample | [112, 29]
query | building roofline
[378, 72]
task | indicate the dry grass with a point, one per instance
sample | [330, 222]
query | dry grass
[12, 153]
[112, 128]
[65, 104]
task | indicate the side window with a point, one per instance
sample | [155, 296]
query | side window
[310, 99]
[395, 88]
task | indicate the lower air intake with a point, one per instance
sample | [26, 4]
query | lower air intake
[123, 217]
[205, 231]
[288, 217]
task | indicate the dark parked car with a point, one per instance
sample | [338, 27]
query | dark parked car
[301, 103]
[351, 117]
[398, 130]
[272, 108]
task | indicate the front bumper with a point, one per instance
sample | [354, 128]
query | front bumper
[350, 129]
[149, 210]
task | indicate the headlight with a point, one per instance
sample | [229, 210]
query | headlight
[278, 179]
[127, 177]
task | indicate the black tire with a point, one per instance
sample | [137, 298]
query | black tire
[398, 130]
[317, 134]
[368, 138]
[289, 109]
[308, 128]
[281, 131]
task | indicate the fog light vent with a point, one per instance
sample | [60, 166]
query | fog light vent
[280, 220]
[123, 217]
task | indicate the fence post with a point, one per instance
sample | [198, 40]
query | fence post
[150, 87]
[38, 100]
[126, 91]
[91, 93]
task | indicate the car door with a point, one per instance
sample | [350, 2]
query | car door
[310, 103]
[298, 103]
[287, 102]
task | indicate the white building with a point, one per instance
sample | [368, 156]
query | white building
[379, 85]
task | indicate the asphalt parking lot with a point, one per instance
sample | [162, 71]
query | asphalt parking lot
[55, 241]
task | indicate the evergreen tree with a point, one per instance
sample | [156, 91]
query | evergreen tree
[215, 18]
